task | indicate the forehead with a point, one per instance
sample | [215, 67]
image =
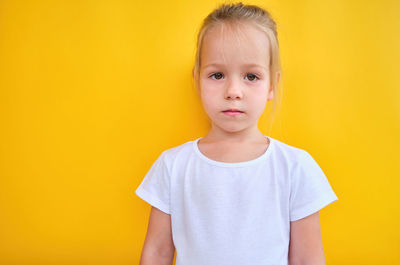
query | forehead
[235, 44]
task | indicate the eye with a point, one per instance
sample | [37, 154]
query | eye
[252, 77]
[218, 76]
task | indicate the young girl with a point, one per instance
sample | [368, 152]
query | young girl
[235, 196]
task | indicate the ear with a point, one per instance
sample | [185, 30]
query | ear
[270, 93]
[271, 89]
[278, 76]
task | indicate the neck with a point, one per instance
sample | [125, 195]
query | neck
[248, 134]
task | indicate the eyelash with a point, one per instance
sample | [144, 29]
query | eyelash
[257, 78]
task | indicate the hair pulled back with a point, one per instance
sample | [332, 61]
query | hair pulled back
[241, 13]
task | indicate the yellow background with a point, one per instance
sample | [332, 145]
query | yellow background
[91, 92]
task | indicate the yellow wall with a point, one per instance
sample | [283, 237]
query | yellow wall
[92, 91]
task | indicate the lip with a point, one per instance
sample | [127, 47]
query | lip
[232, 112]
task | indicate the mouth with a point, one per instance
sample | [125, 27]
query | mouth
[232, 112]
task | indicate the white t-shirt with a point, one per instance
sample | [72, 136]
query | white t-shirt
[235, 213]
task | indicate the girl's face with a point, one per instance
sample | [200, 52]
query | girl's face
[234, 74]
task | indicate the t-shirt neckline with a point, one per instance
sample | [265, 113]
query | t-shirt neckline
[236, 164]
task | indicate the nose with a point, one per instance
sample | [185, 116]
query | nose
[233, 89]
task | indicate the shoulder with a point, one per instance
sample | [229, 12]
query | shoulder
[289, 154]
[300, 164]
[175, 154]
[178, 150]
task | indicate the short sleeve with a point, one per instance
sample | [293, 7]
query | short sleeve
[155, 187]
[310, 189]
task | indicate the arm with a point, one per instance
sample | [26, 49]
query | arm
[158, 248]
[305, 246]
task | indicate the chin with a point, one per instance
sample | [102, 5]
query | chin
[232, 127]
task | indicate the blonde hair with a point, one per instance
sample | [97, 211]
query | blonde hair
[237, 13]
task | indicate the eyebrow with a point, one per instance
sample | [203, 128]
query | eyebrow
[247, 65]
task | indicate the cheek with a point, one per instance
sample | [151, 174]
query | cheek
[209, 91]
[258, 96]
[209, 98]
[207, 85]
